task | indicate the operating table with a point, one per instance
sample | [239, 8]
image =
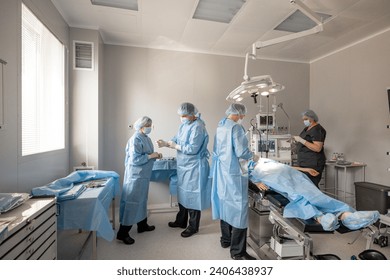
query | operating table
[273, 236]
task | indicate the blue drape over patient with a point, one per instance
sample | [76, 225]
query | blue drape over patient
[306, 201]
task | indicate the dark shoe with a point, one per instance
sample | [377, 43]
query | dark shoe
[188, 232]
[225, 245]
[127, 240]
[145, 228]
[175, 225]
[245, 256]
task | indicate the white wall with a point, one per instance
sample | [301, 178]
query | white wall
[348, 91]
[85, 105]
[19, 174]
[150, 82]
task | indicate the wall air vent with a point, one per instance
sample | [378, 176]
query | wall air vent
[83, 55]
[298, 22]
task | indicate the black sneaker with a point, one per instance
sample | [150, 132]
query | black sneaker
[244, 256]
[176, 225]
[145, 228]
[188, 232]
[127, 240]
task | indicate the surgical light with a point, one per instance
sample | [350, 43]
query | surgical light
[264, 85]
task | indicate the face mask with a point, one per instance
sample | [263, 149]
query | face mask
[306, 122]
[184, 120]
[239, 121]
[147, 130]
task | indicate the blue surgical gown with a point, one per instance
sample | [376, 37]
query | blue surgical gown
[193, 182]
[229, 186]
[306, 200]
[138, 170]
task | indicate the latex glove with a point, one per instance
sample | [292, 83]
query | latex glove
[162, 143]
[300, 140]
[173, 145]
[154, 155]
[255, 158]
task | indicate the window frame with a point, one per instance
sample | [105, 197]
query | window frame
[60, 151]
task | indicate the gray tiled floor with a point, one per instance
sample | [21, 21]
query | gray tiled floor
[166, 243]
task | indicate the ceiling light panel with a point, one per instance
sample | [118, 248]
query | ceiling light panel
[121, 4]
[298, 22]
[218, 10]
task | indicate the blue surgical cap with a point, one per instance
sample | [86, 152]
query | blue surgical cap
[236, 109]
[141, 122]
[310, 114]
[187, 109]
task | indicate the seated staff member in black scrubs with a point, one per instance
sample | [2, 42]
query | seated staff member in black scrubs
[310, 147]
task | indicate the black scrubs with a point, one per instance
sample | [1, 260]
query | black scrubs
[308, 158]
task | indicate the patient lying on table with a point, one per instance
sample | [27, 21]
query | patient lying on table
[306, 200]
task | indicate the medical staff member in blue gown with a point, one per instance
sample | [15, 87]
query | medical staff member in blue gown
[229, 198]
[139, 160]
[194, 185]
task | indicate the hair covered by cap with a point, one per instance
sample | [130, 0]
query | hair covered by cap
[141, 122]
[187, 108]
[310, 114]
[236, 109]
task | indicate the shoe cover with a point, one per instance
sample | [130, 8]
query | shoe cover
[329, 222]
[360, 219]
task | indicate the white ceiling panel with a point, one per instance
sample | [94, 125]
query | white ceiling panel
[168, 24]
[124, 22]
[202, 33]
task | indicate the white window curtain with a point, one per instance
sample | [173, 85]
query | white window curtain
[43, 87]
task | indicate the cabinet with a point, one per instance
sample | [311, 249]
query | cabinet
[32, 234]
[343, 188]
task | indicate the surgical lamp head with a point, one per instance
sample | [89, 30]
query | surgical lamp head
[187, 108]
[142, 122]
[253, 87]
[310, 114]
[236, 109]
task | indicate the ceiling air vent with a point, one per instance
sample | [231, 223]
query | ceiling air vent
[83, 55]
[218, 10]
[298, 22]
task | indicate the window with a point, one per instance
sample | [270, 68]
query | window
[43, 87]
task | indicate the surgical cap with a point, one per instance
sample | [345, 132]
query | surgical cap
[141, 122]
[187, 109]
[310, 114]
[236, 109]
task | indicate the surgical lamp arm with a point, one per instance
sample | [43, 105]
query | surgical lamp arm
[309, 13]
[251, 55]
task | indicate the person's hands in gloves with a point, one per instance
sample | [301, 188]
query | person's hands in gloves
[154, 155]
[161, 143]
[300, 139]
[173, 145]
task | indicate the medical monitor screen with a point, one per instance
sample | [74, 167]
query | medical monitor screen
[263, 145]
[265, 121]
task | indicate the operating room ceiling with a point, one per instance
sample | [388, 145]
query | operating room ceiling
[169, 24]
